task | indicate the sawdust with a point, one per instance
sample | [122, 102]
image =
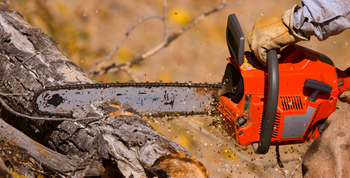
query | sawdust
[213, 146]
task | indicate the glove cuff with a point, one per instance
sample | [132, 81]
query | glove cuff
[288, 21]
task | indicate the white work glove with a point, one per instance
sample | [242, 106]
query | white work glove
[273, 33]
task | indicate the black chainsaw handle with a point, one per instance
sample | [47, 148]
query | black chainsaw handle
[272, 99]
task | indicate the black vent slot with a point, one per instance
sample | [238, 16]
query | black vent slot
[291, 103]
[276, 126]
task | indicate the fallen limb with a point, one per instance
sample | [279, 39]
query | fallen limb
[125, 145]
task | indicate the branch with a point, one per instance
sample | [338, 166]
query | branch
[279, 162]
[199, 18]
[41, 4]
[47, 157]
[115, 68]
[164, 18]
[123, 40]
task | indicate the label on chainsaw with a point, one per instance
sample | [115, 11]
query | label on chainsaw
[146, 98]
[247, 64]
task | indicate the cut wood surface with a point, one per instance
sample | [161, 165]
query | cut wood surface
[115, 144]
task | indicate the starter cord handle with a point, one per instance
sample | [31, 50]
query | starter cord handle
[272, 99]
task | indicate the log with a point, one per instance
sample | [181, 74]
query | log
[53, 160]
[118, 143]
[328, 155]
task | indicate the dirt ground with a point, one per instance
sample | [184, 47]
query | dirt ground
[88, 30]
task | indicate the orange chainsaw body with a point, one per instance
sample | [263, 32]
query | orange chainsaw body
[298, 119]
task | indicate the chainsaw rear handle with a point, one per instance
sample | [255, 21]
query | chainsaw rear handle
[272, 100]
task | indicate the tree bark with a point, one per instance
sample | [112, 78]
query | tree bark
[120, 143]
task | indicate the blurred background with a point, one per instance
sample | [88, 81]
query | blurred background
[87, 31]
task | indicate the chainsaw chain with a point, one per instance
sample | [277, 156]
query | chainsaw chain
[132, 84]
[141, 85]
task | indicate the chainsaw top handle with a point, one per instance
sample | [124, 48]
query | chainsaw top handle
[235, 43]
[272, 99]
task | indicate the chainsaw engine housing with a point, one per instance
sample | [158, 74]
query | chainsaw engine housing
[308, 91]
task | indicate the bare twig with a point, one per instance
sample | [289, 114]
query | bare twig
[114, 67]
[131, 74]
[123, 40]
[296, 168]
[157, 48]
[279, 162]
[199, 18]
[41, 4]
[151, 52]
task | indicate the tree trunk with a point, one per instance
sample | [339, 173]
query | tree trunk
[120, 143]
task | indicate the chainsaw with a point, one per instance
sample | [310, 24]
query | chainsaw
[285, 102]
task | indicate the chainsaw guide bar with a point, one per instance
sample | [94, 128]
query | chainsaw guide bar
[149, 99]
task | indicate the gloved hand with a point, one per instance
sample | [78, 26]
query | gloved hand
[273, 33]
